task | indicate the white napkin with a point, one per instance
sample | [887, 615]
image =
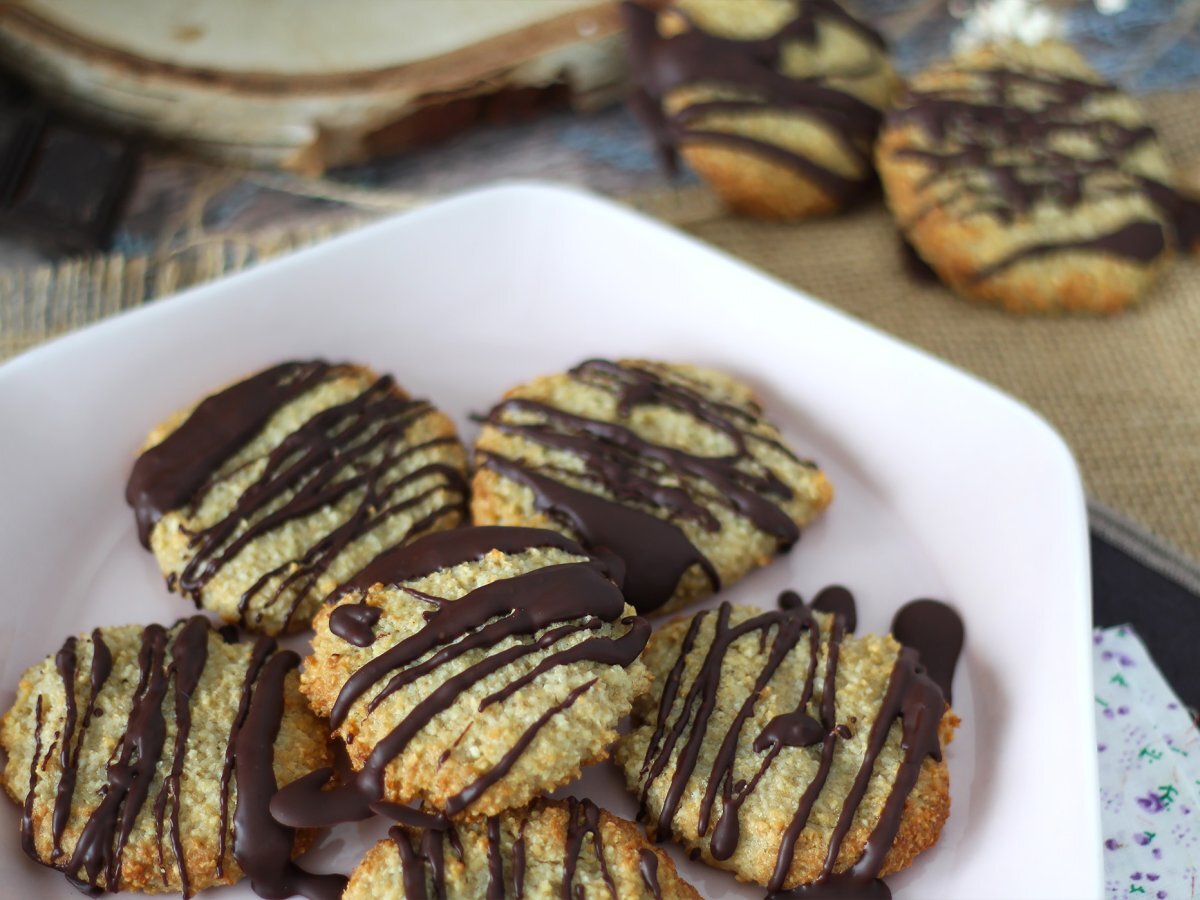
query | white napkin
[1149, 752]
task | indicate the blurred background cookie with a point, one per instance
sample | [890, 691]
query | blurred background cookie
[267, 495]
[671, 467]
[1024, 179]
[775, 103]
[144, 760]
[554, 848]
[474, 669]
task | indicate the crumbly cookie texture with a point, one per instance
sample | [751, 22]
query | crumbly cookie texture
[549, 850]
[775, 103]
[497, 665]
[338, 466]
[149, 752]
[742, 801]
[1025, 180]
[671, 467]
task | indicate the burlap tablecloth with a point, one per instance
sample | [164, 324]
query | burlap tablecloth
[1123, 391]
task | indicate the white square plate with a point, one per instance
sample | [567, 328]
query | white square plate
[944, 486]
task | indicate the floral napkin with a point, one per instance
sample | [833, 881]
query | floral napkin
[1149, 751]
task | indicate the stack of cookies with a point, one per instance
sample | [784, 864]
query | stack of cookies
[478, 639]
[1016, 173]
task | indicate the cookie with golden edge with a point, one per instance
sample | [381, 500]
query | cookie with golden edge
[744, 754]
[475, 669]
[553, 848]
[134, 751]
[265, 496]
[1025, 180]
[775, 103]
[671, 467]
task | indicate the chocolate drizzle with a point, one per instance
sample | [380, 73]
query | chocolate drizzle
[347, 450]
[170, 667]
[683, 720]
[653, 487]
[751, 67]
[575, 597]
[936, 632]
[422, 853]
[987, 155]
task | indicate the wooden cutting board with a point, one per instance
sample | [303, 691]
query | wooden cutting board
[309, 84]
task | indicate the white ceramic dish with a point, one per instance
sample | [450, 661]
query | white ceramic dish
[944, 486]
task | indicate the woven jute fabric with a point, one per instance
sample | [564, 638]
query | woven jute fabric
[1123, 391]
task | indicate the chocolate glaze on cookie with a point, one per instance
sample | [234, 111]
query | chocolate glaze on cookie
[981, 128]
[310, 464]
[656, 552]
[911, 696]
[545, 600]
[174, 667]
[662, 64]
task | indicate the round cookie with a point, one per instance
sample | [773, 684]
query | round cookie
[259, 501]
[670, 467]
[144, 759]
[471, 670]
[742, 753]
[1023, 179]
[552, 849]
[775, 103]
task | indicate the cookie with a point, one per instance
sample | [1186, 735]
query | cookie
[1025, 180]
[263, 498]
[554, 848]
[144, 759]
[670, 467]
[775, 103]
[743, 754]
[470, 670]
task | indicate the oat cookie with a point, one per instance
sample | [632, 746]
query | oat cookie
[670, 467]
[471, 670]
[744, 754]
[775, 103]
[263, 498]
[552, 849]
[144, 759]
[1023, 179]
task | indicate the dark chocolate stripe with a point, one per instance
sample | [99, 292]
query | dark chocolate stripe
[261, 845]
[583, 818]
[547, 605]
[167, 475]
[648, 867]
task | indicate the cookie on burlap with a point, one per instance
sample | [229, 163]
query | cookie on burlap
[1024, 179]
[553, 848]
[743, 754]
[775, 103]
[670, 467]
[263, 498]
[144, 759]
[474, 669]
